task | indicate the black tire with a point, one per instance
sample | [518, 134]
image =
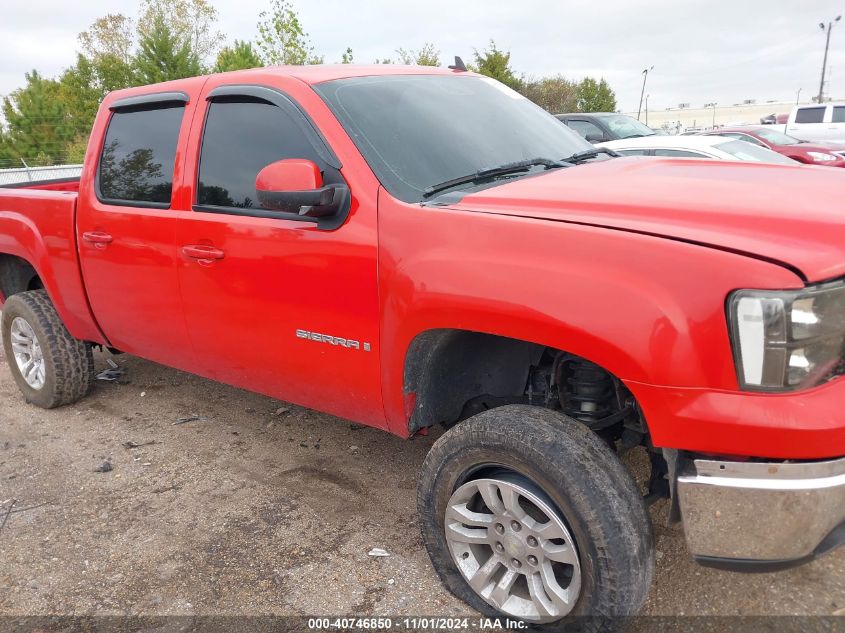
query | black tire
[594, 493]
[68, 362]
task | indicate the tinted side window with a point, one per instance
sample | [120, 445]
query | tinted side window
[585, 127]
[838, 114]
[242, 136]
[633, 152]
[810, 115]
[678, 153]
[744, 137]
[136, 164]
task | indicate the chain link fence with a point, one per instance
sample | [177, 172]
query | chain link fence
[22, 175]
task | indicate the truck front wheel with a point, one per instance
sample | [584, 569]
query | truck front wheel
[527, 514]
[50, 367]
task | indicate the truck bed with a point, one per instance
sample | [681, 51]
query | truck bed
[52, 184]
[38, 225]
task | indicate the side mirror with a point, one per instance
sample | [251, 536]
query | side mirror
[295, 185]
[595, 138]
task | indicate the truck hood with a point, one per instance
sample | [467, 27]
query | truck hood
[793, 216]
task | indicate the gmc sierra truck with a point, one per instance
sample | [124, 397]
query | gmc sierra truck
[407, 247]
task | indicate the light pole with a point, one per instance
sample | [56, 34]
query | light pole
[642, 92]
[826, 46]
[646, 109]
[712, 105]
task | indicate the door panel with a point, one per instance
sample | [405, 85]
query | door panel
[276, 279]
[284, 307]
[127, 231]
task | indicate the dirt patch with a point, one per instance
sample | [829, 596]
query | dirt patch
[252, 511]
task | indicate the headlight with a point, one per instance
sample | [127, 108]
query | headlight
[822, 156]
[788, 340]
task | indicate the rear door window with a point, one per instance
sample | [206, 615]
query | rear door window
[838, 114]
[136, 163]
[810, 115]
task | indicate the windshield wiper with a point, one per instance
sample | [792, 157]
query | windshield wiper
[587, 154]
[493, 172]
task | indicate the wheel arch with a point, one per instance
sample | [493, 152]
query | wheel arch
[444, 368]
[17, 275]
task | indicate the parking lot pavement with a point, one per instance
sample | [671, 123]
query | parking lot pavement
[259, 507]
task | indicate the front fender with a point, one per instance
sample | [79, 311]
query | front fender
[647, 309]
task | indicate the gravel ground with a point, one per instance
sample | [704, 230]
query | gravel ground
[260, 507]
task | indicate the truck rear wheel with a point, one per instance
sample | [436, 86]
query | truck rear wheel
[526, 513]
[50, 367]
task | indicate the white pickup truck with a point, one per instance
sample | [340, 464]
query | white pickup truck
[818, 122]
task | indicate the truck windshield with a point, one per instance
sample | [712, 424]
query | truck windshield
[417, 131]
[747, 151]
[777, 138]
[625, 126]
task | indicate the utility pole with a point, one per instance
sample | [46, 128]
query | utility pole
[646, 109]
[642, 92]
[826, 47]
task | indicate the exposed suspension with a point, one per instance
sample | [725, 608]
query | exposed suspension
[586, 390]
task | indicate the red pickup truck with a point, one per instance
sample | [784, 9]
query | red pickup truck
[408, 247]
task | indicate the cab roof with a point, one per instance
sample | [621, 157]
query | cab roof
[310, 74]
[318, 73]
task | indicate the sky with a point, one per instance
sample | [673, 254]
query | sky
[702, 51]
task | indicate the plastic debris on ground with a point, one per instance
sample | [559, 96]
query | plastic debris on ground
[112, 373]
[378, 552]
[190, 418]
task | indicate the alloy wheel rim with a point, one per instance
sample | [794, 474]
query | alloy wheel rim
[513, 548]
[28, 353]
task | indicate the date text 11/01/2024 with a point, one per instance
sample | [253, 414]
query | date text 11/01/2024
[416, 624]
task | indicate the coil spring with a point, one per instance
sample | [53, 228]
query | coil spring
[589, 395]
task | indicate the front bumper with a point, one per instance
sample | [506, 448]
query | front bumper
[761, 516]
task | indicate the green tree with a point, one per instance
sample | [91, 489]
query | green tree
[595, 96]
[428, 55]
[37, 123]
[347, 57]
[104, 63]
[7, 155]
[281, 37]
[162, 55]
[81, 93]
[192, 21]
[496, 64]
[238, 56]
[109, 36]
[555, 94]
[75, 151]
